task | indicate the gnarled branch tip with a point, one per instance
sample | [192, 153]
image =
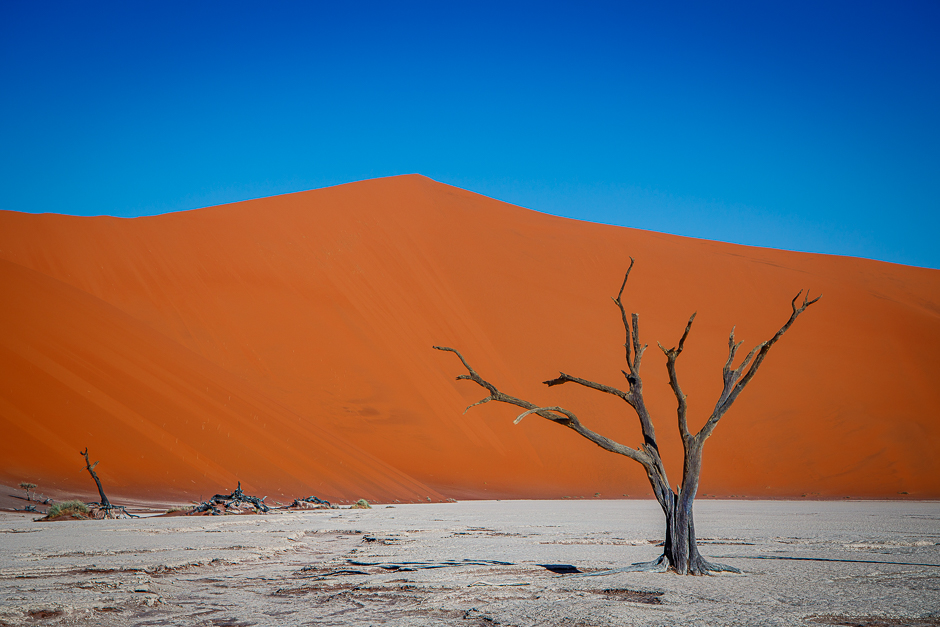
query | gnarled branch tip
[485, 400]
[625, 277]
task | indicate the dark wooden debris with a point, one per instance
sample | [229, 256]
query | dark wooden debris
[233, 503]
[311, 502]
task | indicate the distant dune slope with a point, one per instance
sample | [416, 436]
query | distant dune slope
[79, 371]
[286, 342]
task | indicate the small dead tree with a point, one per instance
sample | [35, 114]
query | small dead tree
[680, 551]
[105, 503]
[104, 509]
[27, 486]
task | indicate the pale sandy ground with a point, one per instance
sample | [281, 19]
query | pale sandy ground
[295, 569]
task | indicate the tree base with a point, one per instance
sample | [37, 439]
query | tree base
[109, 511]
[712, 567]
[661, 565]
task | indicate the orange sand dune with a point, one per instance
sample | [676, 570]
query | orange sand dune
[286, 342]
[80, 371]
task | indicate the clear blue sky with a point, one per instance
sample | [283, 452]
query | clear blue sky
[806, 126]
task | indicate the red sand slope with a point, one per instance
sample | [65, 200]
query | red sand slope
[286, 342]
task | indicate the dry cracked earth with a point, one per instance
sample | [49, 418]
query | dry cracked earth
[871, 564]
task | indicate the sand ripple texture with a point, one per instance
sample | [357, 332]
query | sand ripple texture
[478, 563]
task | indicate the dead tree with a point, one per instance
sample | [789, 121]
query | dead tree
[104, 509]
[26, 485]
[680, 551]
[105, 503]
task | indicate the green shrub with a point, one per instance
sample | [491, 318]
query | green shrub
[361, 504]
[67, 507]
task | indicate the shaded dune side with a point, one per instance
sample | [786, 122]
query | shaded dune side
[165, 422]
[327, 302]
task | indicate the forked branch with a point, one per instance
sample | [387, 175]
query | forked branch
[671, 355]
[736, 379]
[631, 328]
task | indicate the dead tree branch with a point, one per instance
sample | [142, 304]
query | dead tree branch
[555, 414]
[671, 355]
[600, 387]
[736, 379]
